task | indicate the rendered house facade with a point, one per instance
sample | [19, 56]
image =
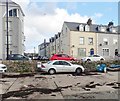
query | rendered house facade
[82, 39]
[15, 29]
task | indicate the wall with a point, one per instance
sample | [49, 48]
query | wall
[110, 46]
[75, 40]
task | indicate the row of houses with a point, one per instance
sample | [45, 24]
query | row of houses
[83, 39]
[15, 29]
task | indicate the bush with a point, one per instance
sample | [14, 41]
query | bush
[91, 66]
[30, 66]
[20, 66]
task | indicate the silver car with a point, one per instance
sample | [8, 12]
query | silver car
[3, 68]
[56, 66]
[93, 58]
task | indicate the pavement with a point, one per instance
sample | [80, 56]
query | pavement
[60, 86]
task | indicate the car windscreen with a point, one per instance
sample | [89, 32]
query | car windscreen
[49, 62]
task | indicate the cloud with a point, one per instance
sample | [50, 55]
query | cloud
[44, 21]
[98, 15]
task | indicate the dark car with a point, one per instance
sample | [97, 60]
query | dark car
[62, 57]
[43, 58]
[17, 57]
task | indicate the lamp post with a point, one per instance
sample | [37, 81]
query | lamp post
[7, 28]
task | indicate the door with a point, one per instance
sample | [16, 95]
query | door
[67, 67]
[58, 65]
[91, 51]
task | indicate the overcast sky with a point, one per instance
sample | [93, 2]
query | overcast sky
[45, 19]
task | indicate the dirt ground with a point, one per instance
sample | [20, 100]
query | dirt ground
[60, 86]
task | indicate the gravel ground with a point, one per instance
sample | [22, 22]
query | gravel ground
[60, 86]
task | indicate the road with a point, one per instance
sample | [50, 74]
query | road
[60, 86]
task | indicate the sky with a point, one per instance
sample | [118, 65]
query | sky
[44, 18]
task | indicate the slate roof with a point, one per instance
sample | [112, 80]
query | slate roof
[73, 26]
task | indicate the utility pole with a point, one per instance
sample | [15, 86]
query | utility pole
[7, 29]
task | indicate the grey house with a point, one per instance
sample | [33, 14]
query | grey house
[15, 29]
[107, 41]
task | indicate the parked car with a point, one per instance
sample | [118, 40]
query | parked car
[3, 68]
[18, 57]
[62, 57]
[93, 58]
[56, 66]
[43, 58]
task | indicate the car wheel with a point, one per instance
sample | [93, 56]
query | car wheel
[102, 59]
[78, 71]
[88, 60]
[51, 71]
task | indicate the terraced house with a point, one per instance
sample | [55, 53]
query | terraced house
[15, 29]
[84, 39]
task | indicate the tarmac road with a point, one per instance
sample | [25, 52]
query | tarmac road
[60, 86]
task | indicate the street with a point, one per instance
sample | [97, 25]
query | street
[60, 86]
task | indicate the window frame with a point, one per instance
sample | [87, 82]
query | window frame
[105, 53]
[81, 42]
[90, 43]
[79, 52]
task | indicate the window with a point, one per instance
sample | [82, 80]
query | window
[81, 52]
[115, 41]
[64, 55]
[81, 27]
[56, 63]
[96, 56]
[105, 41]
[116, 52]
[9, 39]
[9, 25]
[10, 13]
[61, 63]
[52, 48]
[81, 40]
[102, 29]
[60, 55]
[19, 56]
[113, 30]
[105, 52]
[87, 28]
[90, 41]
[66, 30]
[65, 63]
[13, 12]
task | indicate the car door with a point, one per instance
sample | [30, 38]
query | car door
[67, 67]
[58, 65]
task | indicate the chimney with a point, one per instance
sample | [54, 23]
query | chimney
[89, 22]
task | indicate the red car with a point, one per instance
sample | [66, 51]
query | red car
[62, 57]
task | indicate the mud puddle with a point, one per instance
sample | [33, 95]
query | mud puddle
[25, 93]
[17, 75]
